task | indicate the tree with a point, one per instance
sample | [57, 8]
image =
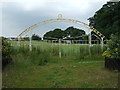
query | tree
[26, 38]
[36, 37]
[58, 33]
[55, 34]
[69, 33]
[74, 33]
[107, 19]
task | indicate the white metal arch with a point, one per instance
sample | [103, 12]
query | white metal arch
[63, 20]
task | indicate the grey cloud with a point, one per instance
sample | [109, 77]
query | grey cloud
[16, 18]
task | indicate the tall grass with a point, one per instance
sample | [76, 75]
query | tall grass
[65, 49]
[70, 49]
[42, 53]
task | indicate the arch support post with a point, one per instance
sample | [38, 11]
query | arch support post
[90, 43]
[90, 38]
[60, 48]
[30, 43]
[42, 38]
[18, 43]
[102, 43]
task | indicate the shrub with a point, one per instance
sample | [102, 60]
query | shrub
[6, 52]
[113, 47]
[106, 54]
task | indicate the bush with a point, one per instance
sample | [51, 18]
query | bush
[113, 47]
[6, 52]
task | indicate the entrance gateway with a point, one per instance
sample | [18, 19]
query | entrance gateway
[59, 18]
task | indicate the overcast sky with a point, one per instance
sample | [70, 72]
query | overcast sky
[17, 15]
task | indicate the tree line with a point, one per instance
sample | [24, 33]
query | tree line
[70, 33]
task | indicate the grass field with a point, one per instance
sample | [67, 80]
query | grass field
[42, 68]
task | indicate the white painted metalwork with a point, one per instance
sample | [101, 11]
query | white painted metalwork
[102, 43]
[30, 44]
[96, 36]
[18, 41]
[64, 20]
[59, 48]
[90, 38]
[59, 18]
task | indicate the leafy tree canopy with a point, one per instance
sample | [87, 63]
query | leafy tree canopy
[107, 19]
[26, 38]
[36, 37]
[70, 32]
[74, 32]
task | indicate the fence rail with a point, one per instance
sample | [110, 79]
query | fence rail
[62, 42]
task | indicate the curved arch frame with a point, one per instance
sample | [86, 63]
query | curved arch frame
[64, 20]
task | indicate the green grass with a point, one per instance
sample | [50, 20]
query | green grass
[67, 72]
[42, 67]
